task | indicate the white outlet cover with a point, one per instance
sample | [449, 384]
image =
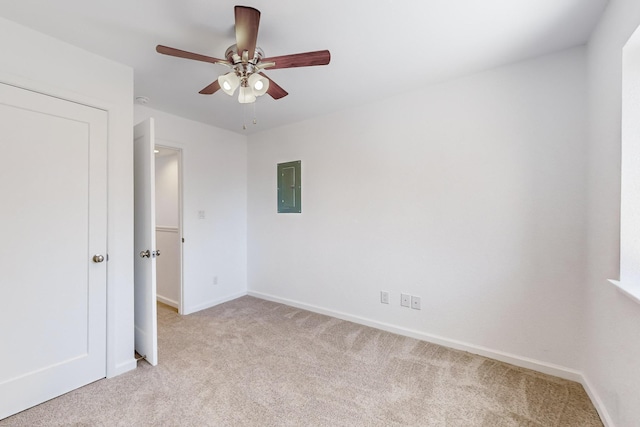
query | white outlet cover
[384, 297]
[415, 303]
[405, 300]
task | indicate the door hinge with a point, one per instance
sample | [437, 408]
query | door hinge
[183, 240]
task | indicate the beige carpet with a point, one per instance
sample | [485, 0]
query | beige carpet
[251, 362]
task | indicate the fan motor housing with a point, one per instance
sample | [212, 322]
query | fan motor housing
[243, 68]
[232, 55]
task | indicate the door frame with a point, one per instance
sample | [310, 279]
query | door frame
[170, 145]
[114, 305]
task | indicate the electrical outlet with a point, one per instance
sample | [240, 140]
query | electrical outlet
[384, 297]
[405, 300]
[415, 303]
[215, 280]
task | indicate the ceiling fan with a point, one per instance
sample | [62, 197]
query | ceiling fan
[246, 61]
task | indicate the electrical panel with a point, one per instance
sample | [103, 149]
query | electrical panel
[290, 187]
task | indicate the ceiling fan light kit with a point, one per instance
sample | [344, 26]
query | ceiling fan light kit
[244, 75]
[259, 85]
[246, 61]
[229, 83]
[246, 95]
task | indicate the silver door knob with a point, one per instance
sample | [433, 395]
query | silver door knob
[156, 252]
[145, 254]
[98, 258]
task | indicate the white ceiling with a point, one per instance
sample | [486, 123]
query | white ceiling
[378, 48]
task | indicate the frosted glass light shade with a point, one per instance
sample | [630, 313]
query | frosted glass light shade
[229, 82]
[259, 84]
[246, 95]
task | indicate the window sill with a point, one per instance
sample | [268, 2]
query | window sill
[631, 292]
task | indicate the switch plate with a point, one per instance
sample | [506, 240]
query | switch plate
[384, 297]
[405, 300]
[415, 303]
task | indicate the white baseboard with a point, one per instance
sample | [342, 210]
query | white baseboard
[213, 303]
[168, 301]
[597, 402]
[523, 362]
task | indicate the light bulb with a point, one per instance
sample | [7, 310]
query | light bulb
[229, 82]
[259, 84]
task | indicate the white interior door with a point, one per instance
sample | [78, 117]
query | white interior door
[53, 187]
[146, 328]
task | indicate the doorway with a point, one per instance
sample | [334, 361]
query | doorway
[149, 263]
[168, 192]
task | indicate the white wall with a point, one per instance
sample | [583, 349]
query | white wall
[35, 61]
[168, 269]
[214, 181]
[612, 320]
[168, 228]
[470, 194]
[167, 194]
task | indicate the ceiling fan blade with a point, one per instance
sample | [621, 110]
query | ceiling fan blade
[275, 91]
[211, 89]
[165, 50]
[247, 23]
[307, 59]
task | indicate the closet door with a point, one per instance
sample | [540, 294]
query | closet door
[53, 214]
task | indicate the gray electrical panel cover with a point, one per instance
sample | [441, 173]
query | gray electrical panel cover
[289, 187]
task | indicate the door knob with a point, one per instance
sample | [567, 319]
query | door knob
[145, 254]
[156, 252]
[98, 258]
